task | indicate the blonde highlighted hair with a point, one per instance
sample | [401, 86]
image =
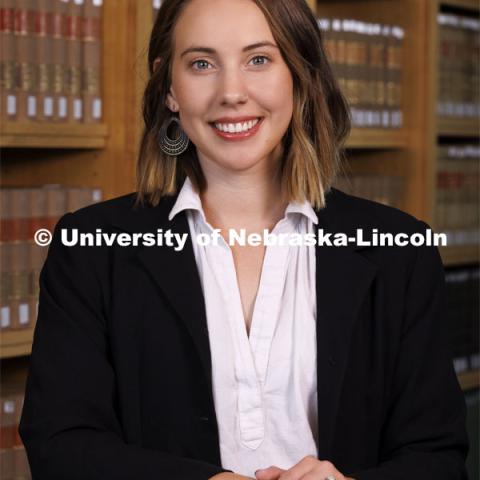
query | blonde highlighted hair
[313, 143]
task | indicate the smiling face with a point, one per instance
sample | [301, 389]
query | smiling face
[230, 85]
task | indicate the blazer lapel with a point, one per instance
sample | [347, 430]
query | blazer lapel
[343, 278]
[175, 272]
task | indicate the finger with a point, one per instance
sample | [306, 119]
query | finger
[301, 468]
[323, 470]
[270, 473]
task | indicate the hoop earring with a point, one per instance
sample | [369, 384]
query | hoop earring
[175, 146]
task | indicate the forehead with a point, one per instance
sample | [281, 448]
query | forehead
[221, 23]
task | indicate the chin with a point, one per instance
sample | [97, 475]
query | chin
[240, 163]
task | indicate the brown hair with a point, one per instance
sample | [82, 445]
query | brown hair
[314, 139]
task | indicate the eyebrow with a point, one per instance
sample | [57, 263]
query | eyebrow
[212, 51]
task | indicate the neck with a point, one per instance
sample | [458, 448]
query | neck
[248, 199]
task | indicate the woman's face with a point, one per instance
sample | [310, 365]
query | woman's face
[227, 75]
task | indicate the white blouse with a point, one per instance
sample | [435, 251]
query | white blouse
[264, 384]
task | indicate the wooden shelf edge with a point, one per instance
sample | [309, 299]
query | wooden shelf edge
[54, 135]
[377, 138]
[469, 380]
[458, 127]
[460, 255]
[16, 343]
[468, 4]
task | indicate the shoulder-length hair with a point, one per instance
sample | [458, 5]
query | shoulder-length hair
[313, 142]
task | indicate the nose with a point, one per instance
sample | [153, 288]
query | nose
[232, 89]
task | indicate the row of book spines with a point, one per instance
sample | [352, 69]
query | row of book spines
[13, 458]
[50, 60]
[24, 210]
[367, 61]
[458, 68]
[384, 189]
[457, 194]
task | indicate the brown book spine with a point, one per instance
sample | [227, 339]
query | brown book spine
[59, 59]
[440, 203]
[5, 213]
[25, 58]
[37, 253]
[376, 65]
[91, 83]
[18, 258]
[396, 52]
[362, 71]
[74, 61]
[44, 39]
[22, 469]
[8, 94]
[56, 198]
[7, 425]
[386, 113]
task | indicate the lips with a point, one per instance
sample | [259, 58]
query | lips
[228, 128]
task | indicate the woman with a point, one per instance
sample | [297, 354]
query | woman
[227, 361]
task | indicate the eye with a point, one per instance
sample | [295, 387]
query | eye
[202, 64]
[260, 60]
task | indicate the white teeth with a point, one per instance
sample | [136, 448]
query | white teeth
[236, 127]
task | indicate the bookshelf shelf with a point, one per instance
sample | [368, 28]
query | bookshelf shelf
[377, 138]
[460, 255]
[458, 127]
[469, 380]
[468, 4]
[16, 343]
[45, 135]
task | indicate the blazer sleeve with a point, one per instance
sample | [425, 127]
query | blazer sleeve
[69, 424]
[424, 435]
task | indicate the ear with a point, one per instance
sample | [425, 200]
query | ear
[156, 63]
[171, 100]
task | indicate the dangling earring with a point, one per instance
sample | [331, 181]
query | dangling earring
[169, 146]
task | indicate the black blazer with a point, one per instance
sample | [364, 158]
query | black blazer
[120, 386]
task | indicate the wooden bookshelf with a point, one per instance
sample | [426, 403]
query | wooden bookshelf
[458, 127]
[16, 343]
[376, 138]
[438, 126]
[466, 4]
[44, 135]
[98, 155]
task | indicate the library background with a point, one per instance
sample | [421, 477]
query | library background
[72, 75]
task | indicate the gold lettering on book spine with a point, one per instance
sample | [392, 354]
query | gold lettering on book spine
[34, 288]
[7, 76]
[91, 81]
[58, 79]
[19, 285]
[26, 72]
[74, 81]
[44, 77]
